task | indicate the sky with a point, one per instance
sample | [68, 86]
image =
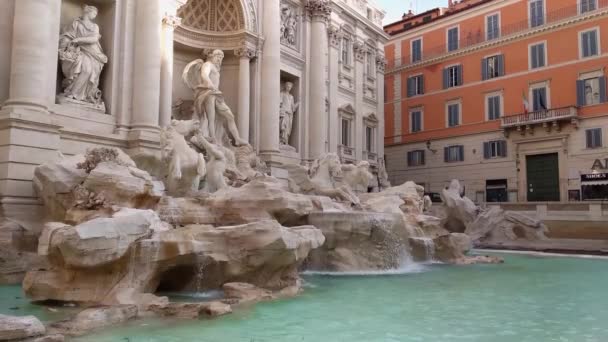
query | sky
[395, 8]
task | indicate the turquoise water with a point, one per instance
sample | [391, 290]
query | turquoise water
[13, 302]
[526, 299]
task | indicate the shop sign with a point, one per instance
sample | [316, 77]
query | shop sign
[599, 165]
[594, 177]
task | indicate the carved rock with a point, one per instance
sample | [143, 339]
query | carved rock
[13, 328]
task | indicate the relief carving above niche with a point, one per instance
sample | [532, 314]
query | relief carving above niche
[213, 15]
[82, 60]
[290, 22]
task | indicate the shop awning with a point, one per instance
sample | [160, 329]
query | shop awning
[599, 182]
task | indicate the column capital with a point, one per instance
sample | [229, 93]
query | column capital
[246, 52]
[380, 63]
[360, 50]
[172, 21]
[318, 9]
[335, 35]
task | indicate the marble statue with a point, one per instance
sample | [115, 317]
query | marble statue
[204, 79]
[82, 60]
[289, 26]
[357, 176]
[287, 112]
[216, 164]
[185, 167]
[383, 175]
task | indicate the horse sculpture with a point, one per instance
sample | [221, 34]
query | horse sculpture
[184, 166]
[321, 179]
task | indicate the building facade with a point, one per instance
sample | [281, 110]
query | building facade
[508, 96]
[116, 78]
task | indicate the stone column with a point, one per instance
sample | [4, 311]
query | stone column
[335, 38]
[360, 51]
[33, 41]
[245, 55]
[319, 12]
[166, 69]
[146, 69]
[271, 78]
[380, 67]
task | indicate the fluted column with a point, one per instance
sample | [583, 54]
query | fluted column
[335, 39]
[271, 78]
[319, 12]
[166, 69]
[147, 66]
[31, 50]
[380, 67]
[245, 55]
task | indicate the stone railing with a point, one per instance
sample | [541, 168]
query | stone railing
[540, 116]
[371, 157]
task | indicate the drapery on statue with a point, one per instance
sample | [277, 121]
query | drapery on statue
[288, 109]
[204, 79]
[82, 59]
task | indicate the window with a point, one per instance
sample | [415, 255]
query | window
[453, 114]
[589, 43]
[590, 91]
[346, 126]
[415, 121]
[452, 39]
[588, 5]
[539, 99]
[492, 67]
[537, 56]
[369, 139]
[492, 27]
[537, 13]
[493, 108]
[427, 18]
[346, 48]
[370, 65]
[594, 137]
[416, 49]
[415, 158]
[452, 76]
[495, 149]
[453, 153]
[415, 85]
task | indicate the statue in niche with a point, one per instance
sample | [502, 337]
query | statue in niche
[289, 26]
[288, 109]
[82, 60]
[204, 79]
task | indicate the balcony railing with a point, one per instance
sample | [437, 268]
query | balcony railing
[540, 116]
[346, 152]
[479, 36]
[371, 157]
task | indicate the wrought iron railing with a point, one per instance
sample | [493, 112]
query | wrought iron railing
[479, 35]
[540, 116]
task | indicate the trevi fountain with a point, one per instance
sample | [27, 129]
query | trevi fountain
[201, 242]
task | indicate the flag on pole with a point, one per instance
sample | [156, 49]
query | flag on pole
[525, 101]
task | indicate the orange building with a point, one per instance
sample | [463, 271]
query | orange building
[509, 96]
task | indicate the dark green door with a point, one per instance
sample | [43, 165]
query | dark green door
[543, 177]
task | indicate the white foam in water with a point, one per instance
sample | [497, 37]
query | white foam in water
[212, 294]
[405, 269]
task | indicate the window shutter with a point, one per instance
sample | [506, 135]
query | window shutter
[580, 93]
[421, 84]
[503, 148]
[422, 157]
[541, 55]
[461, 147]
[486, 150]
[603, 95]
[593, 43]
[409, 159]
[533, 56]
[589, 134]
[445, 78]
[598, 138]
[484, 69]
[446, 151]
[501, 65]
[585, 38]
[410, 88]
[459, 68]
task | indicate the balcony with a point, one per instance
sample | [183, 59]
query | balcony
[477, 38]
[346, 153]
[547, 117]
[371, 157]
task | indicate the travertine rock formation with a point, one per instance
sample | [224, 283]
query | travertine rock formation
[17, 328]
